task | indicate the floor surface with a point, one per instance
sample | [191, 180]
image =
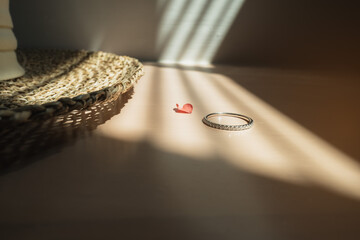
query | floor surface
[136, 169]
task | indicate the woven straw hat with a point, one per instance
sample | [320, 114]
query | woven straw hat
[59, 81]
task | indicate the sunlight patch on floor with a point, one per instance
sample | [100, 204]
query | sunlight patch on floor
[276, 147]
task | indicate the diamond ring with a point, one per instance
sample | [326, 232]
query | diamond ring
[230, 127]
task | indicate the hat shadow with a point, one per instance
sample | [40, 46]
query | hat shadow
[25, 143]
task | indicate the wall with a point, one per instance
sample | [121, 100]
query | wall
[301, 34]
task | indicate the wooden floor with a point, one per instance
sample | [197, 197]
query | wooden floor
[136, 169]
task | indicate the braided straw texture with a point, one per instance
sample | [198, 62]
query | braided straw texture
[59, 81]
[22, 144]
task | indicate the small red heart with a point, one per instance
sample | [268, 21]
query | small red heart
[187, 108]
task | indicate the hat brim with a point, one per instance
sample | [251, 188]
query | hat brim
[59, 81]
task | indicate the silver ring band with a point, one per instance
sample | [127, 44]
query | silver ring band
[235, 127]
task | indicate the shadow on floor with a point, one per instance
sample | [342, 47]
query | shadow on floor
[117, 189]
